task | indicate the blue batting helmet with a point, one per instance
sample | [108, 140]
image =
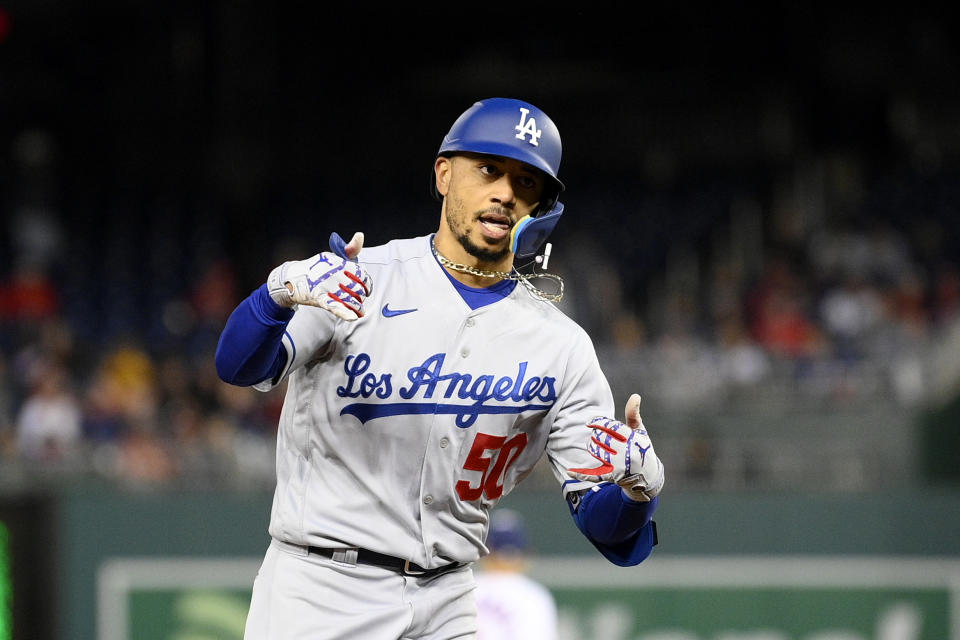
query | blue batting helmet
[509, 128]
[514, 129]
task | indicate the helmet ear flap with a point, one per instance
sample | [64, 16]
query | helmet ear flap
[529, 233]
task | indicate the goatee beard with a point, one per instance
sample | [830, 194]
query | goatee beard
[480, 253]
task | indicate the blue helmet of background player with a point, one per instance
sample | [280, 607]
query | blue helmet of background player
[507, 533]
[514, 129]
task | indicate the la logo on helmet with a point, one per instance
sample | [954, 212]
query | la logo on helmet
[528, 127]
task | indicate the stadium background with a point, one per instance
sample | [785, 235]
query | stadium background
[761, 235]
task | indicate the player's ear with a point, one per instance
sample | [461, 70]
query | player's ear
[441, 169]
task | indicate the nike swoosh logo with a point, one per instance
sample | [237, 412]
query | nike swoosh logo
[389, 313]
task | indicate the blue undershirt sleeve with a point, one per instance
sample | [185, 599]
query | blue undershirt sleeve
[622, 530]
[249, 350]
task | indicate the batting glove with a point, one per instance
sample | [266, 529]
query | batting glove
[331, 281]
[626, 455]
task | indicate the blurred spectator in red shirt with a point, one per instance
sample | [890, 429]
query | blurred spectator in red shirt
[28, 294]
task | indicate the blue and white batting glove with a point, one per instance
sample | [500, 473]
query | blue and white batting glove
[626, 455]
[331, 281]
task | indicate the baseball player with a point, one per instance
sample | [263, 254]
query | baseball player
[425, 379]
[510, 604]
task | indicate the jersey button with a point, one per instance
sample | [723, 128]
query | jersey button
[471, 322]
[427, 499]
[464, 352]
[444, 442]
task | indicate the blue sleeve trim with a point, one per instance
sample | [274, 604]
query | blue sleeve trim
[249, 350]
[621, 529]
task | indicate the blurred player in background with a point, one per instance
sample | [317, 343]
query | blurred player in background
[510, 604]
[427, 377]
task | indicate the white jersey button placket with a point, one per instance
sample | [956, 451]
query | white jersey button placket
[465, 351]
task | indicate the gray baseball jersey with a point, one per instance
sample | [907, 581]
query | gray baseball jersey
[401, 430]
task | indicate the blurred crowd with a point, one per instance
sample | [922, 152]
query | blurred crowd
[780, 304]
[107, 350]
[106, 345]
[122, 411]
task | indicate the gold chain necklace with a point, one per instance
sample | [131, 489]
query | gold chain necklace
[523, 278]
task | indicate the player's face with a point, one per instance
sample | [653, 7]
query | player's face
[484, 196]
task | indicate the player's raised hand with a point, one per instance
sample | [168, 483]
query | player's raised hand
[625, 454]
[331, 280]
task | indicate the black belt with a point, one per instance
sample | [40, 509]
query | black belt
[407, 568]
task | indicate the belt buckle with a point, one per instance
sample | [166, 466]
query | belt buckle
[407, 571]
